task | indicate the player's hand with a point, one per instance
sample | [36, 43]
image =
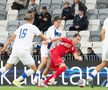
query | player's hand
[79, 58]
[45, 42]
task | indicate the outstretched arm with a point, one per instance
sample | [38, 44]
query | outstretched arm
[12, 38]
[79, 58]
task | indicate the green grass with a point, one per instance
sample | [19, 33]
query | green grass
[51, 88]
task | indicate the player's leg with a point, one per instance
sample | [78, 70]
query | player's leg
[10, 62]
[44, 57]
[5, 68]
[95, 71]
[42, 64]
[45, 72]
[26, 59]
[62, 68]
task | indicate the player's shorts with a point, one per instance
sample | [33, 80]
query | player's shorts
[56, 60]
[105, 53]
[44, 51]
[21, 55]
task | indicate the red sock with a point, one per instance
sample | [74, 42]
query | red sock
[59, 71]
[47, 80]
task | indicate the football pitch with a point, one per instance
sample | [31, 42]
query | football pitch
[51, 88]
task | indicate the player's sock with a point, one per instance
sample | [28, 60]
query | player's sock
[92, 75]
[2, 70]
[47, 80]
[43, 77]
[36, 75]
[25, 75]
[59, 71]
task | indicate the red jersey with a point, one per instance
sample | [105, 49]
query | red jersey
[61, 50]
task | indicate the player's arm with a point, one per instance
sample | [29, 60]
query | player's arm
[102, 34]
[79, 58]
[12, 38]
[43, 37]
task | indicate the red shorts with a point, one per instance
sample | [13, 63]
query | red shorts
[56, 60]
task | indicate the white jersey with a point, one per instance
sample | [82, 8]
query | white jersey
[105, 26]
[24, 37]
[51, 33]
[105, 41]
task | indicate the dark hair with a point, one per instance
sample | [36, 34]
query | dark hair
[44, 7]
[1, 44]
[57, 18]
[89, 48]
[77, 35]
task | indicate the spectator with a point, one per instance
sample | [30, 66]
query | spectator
[77, 5]
[91, 55]
[44, 19]
[5, 54]
[79, 52]
[19, 4]
[80, 21]
[66, 13]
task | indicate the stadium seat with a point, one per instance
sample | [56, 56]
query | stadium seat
[94, 36]
[101, 4]
[2, 4]
[3, 14]
[12, 15]
[46, 3]
[92, 14]
[3, 35]
[84, 36]
[62, 25]
[3, 25]
[9, 4]
[21, 14]
[97, 47]
[84, 46]
[70, 1]
[71, 33]
[68, 24]
[94, 25]
[103, 13]
[56, 4]
[12, 25]
[56, 12]
[91, 4]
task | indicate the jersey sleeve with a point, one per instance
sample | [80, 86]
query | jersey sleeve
[37, 31]
[17, 31]
[66, 40]
[105, 24]
[73, 50]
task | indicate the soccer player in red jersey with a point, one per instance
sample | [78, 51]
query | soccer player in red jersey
[56, 54]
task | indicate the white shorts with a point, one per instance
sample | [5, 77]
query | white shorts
[44, 51]
[21, 55]
[105, 53]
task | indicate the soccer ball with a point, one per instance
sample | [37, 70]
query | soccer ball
[82, 83]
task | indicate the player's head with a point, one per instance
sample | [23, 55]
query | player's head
[29, 17]
[76, 38]
[57, 21]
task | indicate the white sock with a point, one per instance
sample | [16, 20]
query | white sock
[93, 74]
[3, 70]
[37, 74]
[25, 75]
[43, 77]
